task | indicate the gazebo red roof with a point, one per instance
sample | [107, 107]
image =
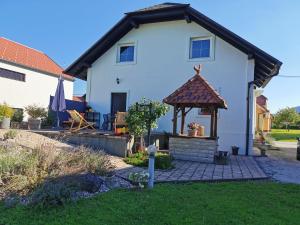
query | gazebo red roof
[196, 92]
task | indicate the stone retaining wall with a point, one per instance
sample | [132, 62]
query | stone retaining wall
[114, 145]
[193, 149]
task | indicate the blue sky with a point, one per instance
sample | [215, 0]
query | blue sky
[64, 29]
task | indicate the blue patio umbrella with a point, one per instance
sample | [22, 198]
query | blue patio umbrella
[59, 102]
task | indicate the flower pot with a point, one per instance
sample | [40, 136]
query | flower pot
[5, 124]
[15, 125]
[235, 150]
[200, 131]
[262, 152]
[34, 124]
[192, 133]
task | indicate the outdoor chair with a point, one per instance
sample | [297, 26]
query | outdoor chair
[78, 121]
[120, 125]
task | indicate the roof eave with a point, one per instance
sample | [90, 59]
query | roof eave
[179, 12]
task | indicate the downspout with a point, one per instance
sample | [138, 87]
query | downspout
[248, 112]
[248, 115]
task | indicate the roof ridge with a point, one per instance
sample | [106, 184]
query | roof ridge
[26, 46]
[160, 6]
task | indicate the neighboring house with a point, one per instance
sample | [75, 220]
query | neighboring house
[28, 76]
[263, 115]
[79, 98]
[151, 52]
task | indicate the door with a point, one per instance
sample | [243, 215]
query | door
[118, 103]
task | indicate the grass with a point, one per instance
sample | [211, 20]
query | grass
[285, 135]
[240, 203]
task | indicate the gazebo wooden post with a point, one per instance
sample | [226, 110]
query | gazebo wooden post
[216, 122]
[212, 122]
[175, 120]
[182, 119]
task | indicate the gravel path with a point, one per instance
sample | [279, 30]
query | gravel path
[282, 164]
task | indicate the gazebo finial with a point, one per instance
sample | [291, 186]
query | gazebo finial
[197, 69]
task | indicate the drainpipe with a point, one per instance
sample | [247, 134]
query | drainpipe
[248, 112]
[248, 115]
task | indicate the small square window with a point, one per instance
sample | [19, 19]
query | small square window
[200, 48]
[126, 53]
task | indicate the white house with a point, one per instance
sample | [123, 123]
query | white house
[151, 52]
[28, 76]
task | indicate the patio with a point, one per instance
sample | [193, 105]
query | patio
[239, 168]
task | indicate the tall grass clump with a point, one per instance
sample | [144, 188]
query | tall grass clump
[22, 169]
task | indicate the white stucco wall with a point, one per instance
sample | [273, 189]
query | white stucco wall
[35, 90]
[162, 65]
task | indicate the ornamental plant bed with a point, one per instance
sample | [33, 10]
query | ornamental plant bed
[162, 160]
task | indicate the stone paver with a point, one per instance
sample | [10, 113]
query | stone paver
[281, 164]
[239, 168]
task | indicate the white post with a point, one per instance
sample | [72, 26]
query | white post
[151, 151]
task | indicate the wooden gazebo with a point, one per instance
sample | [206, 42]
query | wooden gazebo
[195, 93]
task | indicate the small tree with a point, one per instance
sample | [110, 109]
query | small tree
[286, 116]
[36, 112]
[139, 116]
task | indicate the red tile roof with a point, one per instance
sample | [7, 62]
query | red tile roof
[261, 100]
[79, 98]
[11, 51]
[196, 92]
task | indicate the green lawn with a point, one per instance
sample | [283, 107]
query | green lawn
[285, 135]
[198, 203]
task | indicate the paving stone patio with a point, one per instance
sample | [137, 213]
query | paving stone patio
[239, 168]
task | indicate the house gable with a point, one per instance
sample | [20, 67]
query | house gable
[266, 66]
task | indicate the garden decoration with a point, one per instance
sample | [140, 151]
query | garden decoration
[151, 151]
[36, 114]
[193, 128]
[235, 150]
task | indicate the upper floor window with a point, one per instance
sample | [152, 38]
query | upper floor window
[200, 48]
[126, 53]
[9, 74]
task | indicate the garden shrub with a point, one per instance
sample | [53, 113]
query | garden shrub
[6, 111]
[51, 194]
[162, 160]
[18, 116]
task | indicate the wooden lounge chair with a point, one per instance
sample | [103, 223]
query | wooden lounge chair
[120, 122]
[79, 122]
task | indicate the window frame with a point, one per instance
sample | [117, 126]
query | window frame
[211, 48]
[127, 44]
[12, 73]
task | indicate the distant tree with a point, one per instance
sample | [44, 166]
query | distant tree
[286, 117]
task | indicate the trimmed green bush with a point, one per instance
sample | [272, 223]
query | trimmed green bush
[162, 160]
[18, 116]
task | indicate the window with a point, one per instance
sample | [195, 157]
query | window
[9, 74]
[200, 48]
[126, 53]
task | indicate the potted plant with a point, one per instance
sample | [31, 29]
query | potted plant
[36, 114]
[235, 150]
[6, 114]
[192, 132]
